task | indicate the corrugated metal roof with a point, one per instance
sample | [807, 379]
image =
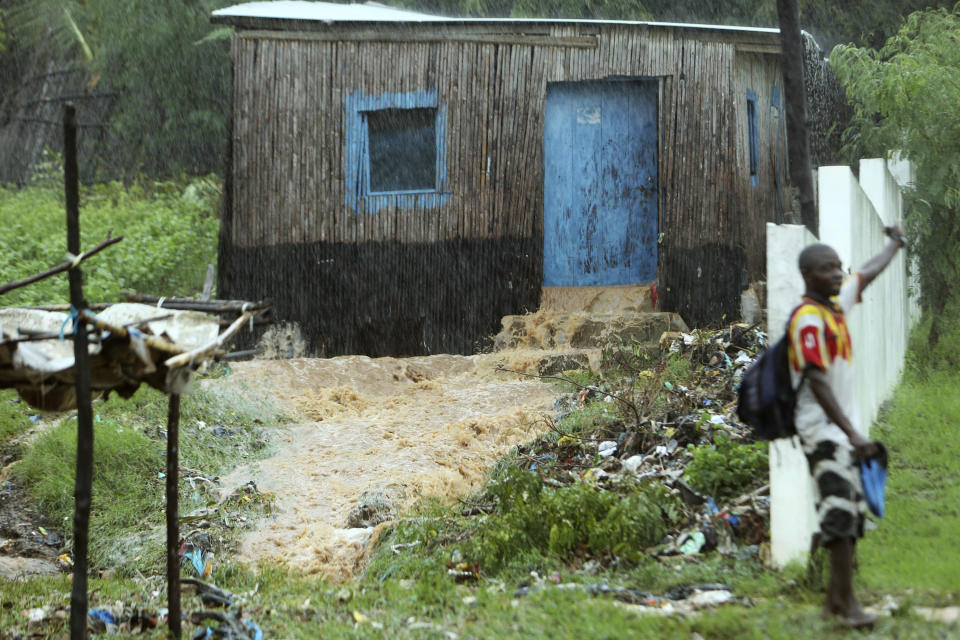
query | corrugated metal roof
[374, 12]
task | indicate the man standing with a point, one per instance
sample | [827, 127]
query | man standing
[827, 419]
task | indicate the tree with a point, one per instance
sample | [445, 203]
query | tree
[167, 66]
[905, 97]
[173, 74]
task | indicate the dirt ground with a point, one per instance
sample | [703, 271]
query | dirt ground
[27, 547]
[375, 435]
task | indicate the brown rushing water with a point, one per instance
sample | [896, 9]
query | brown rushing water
[405, 428]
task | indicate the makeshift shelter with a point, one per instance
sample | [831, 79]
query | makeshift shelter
[398, 182]
[43, 373]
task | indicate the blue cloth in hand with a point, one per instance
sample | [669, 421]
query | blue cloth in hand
[873, 475]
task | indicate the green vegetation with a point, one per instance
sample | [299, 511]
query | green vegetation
[166, 65]
[724, 468]
[13, 422]
[905, 98]
[533, 524]
[911, 549]
[529, 555]
[169, 229]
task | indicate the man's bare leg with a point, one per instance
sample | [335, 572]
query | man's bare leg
[840, 598]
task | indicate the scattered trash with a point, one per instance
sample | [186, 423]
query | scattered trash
[693, 543]
[683, 600]
[607, 448]
[52, 539]
[397, 548]
[632, 463]
[231, 627]
[211, 595]
[102, 615]
[202, 562]
[36, 615]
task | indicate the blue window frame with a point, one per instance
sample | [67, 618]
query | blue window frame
[395, 153]
[753, 137]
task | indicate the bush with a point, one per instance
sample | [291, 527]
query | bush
[169, 228]
[725, 469]
[924, 360]
[533, 519]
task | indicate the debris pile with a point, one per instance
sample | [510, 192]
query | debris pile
[671, 420]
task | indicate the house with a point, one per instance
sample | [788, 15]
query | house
[398, 182]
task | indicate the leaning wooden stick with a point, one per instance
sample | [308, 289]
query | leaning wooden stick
[66, 266]
[206, 350]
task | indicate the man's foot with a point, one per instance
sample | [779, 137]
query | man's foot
[851, 616]
[859, 621]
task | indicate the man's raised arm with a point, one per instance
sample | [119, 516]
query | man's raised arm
[872, 267]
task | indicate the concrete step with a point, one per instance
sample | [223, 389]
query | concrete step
[551, 330]
[629, 298]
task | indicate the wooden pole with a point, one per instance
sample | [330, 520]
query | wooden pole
[189, 304]
[795, 96]
[173, 518]
[84, 476]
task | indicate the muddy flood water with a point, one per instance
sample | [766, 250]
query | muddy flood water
[399, 429]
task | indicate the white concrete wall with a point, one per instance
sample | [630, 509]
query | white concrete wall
[852, 217]
[792, 516]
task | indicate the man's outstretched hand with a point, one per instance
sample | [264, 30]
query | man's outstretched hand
[895, 232]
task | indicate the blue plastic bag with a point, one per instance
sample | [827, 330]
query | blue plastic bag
[873, 476]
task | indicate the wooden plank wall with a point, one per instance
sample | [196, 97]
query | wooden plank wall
[289, 109]
[758, 204]
[289, 124]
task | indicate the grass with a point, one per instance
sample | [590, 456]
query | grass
[128, 502]
[914, 548]
[14, 422]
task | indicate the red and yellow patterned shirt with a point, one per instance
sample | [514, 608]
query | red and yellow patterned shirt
[819, 337]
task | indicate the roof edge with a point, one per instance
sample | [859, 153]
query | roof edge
[297, 24]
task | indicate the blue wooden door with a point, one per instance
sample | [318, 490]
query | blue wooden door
[600, 183]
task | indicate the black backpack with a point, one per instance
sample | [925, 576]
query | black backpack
[767, 399]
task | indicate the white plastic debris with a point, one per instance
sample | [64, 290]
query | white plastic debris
[743, 358]
[36, 615]
[607, 448]
[700, 599]
[717, 419]
[632, 463]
